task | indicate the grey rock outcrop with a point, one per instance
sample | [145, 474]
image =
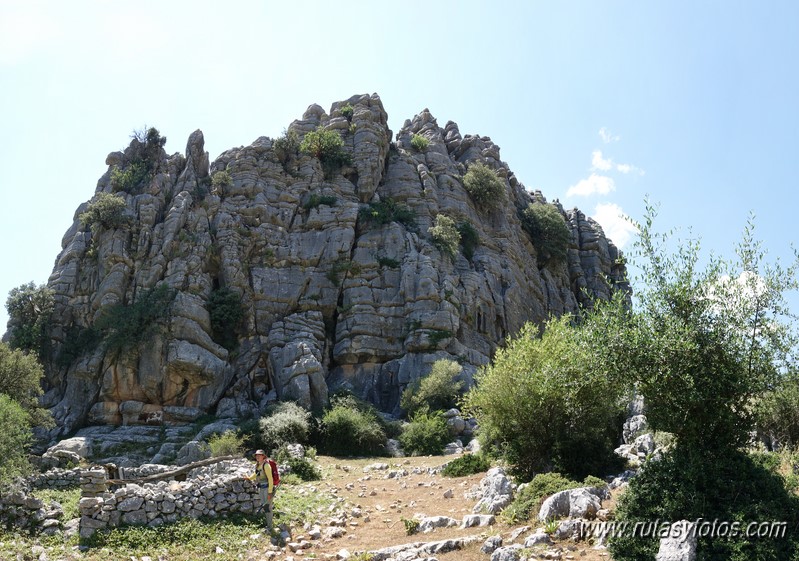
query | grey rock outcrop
[495, 492]
[331, 299]
[583, 502]
[681, 543]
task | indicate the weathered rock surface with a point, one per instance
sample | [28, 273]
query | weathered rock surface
[331, 300]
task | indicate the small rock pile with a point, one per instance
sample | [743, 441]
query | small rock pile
[20, 509]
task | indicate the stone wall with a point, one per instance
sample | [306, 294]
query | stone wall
[56, 478]
[207, 492]
[21, 510]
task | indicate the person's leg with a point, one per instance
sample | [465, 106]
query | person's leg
[265, 506]
[268, 504]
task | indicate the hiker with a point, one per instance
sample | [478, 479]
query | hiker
[266, 484]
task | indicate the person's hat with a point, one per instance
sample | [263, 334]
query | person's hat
[260, 453]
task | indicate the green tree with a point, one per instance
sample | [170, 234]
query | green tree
[548, 231]
[484, 186]
[30, 308]
[426, 434]
[542, 404]
[438, 391]
[445, 235]
[226, 311]
[20, 380]
[124, 326]
[17, 436]
[419, 142]
[104, 210]
[705, 340]
[328, 147]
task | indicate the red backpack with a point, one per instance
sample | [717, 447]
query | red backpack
[275, 473]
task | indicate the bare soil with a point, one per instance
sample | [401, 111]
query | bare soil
[386, 502]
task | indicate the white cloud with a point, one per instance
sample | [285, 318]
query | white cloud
[601, 184]
[615, 224]
[607, 137]
[599, 163]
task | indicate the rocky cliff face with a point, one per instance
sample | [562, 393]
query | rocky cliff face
[331, 300]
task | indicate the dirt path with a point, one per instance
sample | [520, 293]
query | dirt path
[379, 499]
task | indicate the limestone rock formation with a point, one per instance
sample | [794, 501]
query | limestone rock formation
[334, 294]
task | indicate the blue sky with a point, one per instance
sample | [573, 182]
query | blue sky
[596, 103]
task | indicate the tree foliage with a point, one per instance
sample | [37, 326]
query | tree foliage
[20, 380]
[328, 147]
[484, 186]
[30, 308]
[104, 210]
[125, 326]
[426, 434]
[445, 235]
[142, 160]
[352, 428]
[707, 338]
[548, 231]
[438, 391]
[542, 404]
[705, 342]
[226, 311]
[17, 436]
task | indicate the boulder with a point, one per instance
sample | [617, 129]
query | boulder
[582, 502]
[681, 543]
[496, 492]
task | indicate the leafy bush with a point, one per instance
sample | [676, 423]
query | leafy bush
[29, 310]
[529, 499]
[352, 428]
[484, 186]
[342, 266]
[104, 210]
[467, 464]
[387, 262]
[127, 326]
[387, 211]
[17, 436]
[426, 434]
[411, 525]
[328, 147]
[20, 380]
[221, 178]
[548, 231]
[143, 158]
[541, 404]
[347, 110]
[287, 147]
[302, 468]
[437, 391]
[226, 311]
[470, 239]
[229, 443]
[315, 200]
[445, 235]
[778, 414]
[287, 423]
[719, 485]
[419, 142]
[130, 177]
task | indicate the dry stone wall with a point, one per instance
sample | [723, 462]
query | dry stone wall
[332, 300]
[207, 492]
